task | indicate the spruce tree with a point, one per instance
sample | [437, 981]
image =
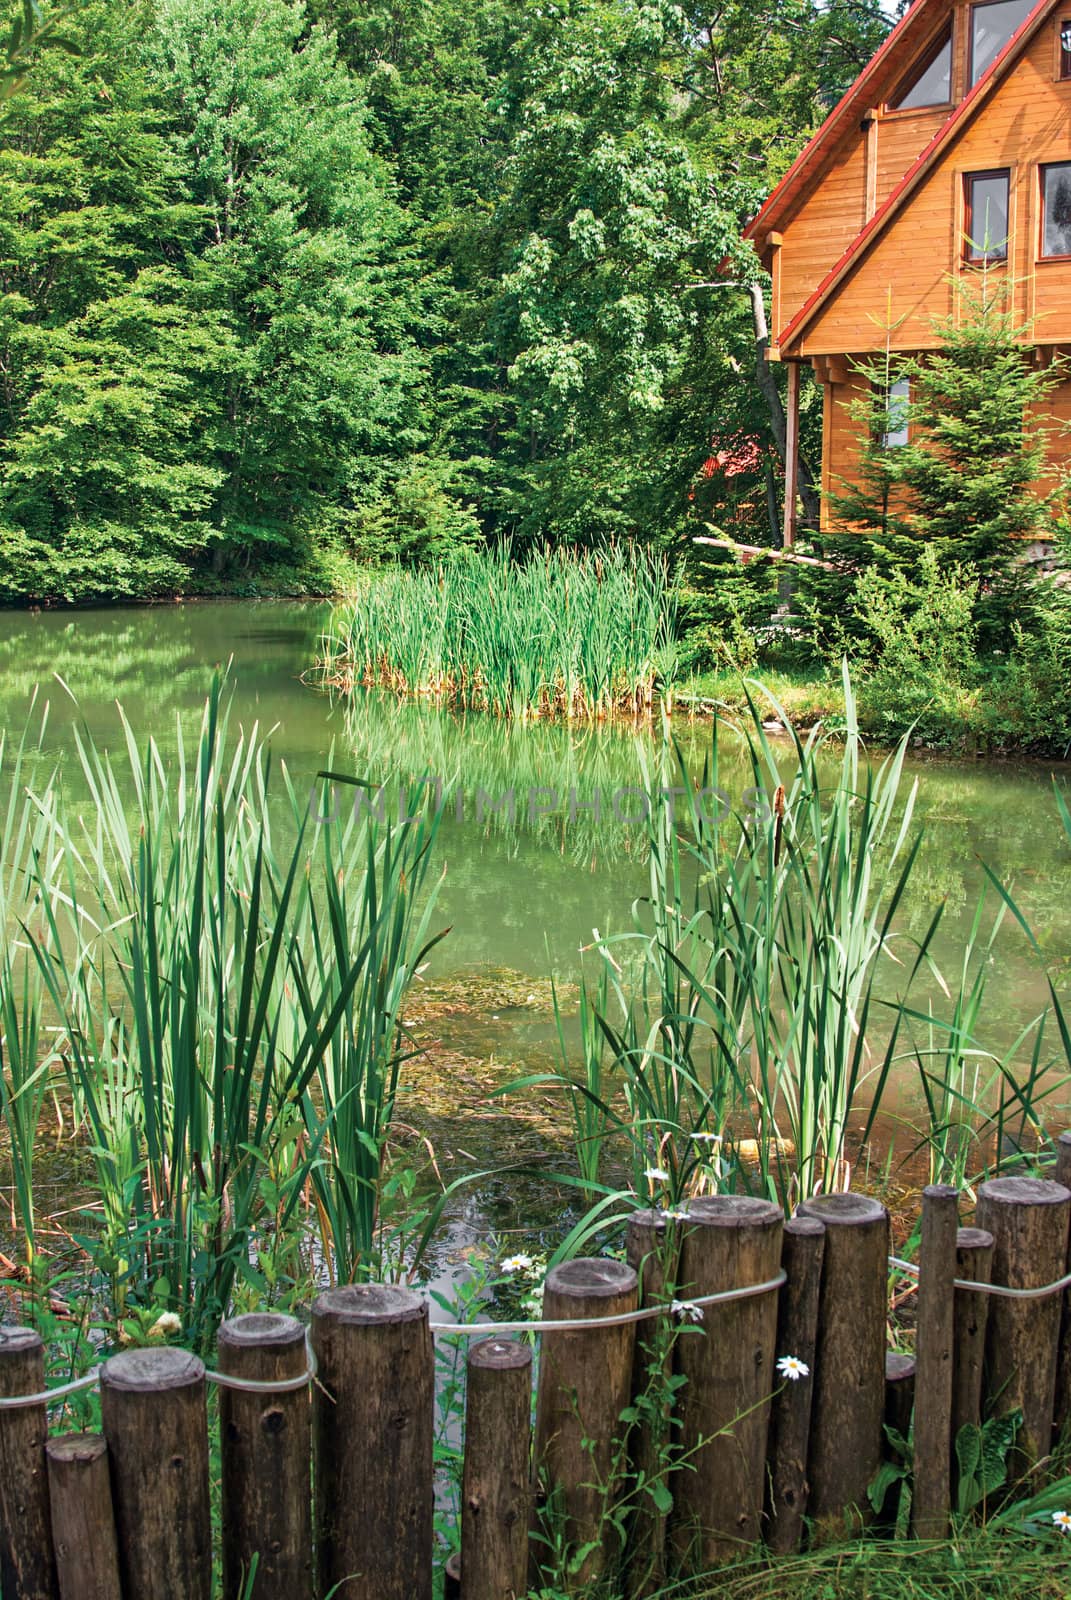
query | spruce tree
[965, 484]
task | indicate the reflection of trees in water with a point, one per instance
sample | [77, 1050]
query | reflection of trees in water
[556, 773]
[160, 659]
[528, 885]
[529, 877]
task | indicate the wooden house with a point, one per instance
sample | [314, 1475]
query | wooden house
[950, 152]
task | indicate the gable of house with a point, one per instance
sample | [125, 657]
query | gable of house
[847, 195]
[866, 231]
[898, 282]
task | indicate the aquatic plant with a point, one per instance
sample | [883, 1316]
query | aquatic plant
[365, 913]
[768, 992]
[225, 1010]
[811, 893]
[586, 634]
[25, 1059]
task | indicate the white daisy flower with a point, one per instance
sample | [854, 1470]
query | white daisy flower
[676, 1216]
[517, 1264]
[656, 1174]
[792, 1367]
[687, 1310]
[167, 1323]
[1062, 1520]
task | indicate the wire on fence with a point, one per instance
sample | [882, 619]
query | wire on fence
[582, 1324]
[492, 1330]
[911, 1268]
[225, 1380]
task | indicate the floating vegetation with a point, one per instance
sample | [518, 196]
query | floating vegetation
[587, 635]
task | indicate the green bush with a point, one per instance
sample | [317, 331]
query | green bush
[1027, 699]
[725, 611]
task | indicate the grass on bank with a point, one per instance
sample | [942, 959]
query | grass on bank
[615, 632]
[807, 695]
[982, 1565]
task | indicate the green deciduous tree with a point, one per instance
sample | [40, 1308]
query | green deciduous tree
[386, 276]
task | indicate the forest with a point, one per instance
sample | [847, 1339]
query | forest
[291, 286]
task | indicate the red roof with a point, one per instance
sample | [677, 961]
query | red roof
[844, 116]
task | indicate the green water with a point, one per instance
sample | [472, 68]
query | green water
[526, 894]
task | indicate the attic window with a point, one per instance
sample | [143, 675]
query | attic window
[1065, 49]
[985, 221]
[991, 27]
[931, 83]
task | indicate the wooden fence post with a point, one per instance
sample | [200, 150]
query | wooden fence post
[452, 1578]
[27, 1568]
[650, 1251]
[1028, 1218]
[584, 1382]
[849, 1399]
[83, 1517]
[373, 1431]
[1062, 1407]
[974, 1263]
[931, 1494]
[153, 1408]
[802, 1249]
[496, 1478]
[265, 1440]
[727, 1361]
[899, 1404]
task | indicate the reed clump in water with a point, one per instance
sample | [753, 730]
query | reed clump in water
[212, 1002]
[587, 635]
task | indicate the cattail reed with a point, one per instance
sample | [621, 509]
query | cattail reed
[562, 634]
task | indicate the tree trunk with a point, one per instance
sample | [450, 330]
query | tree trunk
[772, 395]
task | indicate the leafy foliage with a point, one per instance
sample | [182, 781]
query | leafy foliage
[981, 1458]
[381, 279]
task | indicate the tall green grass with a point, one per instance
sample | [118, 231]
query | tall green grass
[26, 1058]
[587, 634]
[764, 1010]
[223, 998]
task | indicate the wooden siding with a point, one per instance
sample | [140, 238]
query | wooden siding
[839, 199]
[1056, 412]
[821, 231]
[902, 283]
[901, 137]
[840, 437]
[841, 433]
[832, 215]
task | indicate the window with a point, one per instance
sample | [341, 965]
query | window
[897, 400]
[1056, 209]
[985, 217]
[1065, 49]
[991, 28]
[931, 84]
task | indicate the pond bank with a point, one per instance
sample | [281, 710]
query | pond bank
[964, 726]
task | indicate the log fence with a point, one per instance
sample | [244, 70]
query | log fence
[668, 1370]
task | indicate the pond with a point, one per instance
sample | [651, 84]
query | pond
[542, 839]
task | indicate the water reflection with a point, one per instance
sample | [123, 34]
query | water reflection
[525, 885]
